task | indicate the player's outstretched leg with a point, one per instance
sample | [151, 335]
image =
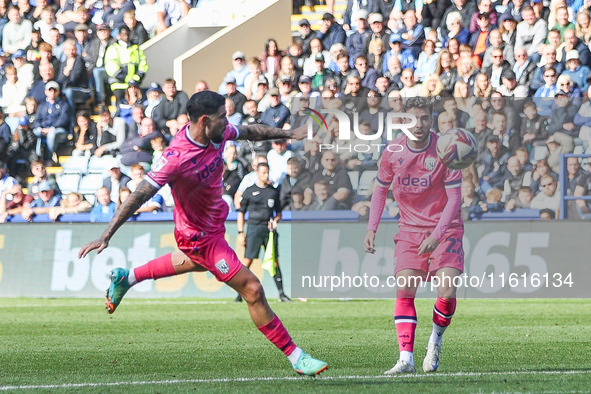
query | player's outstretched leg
[405, 318]
[161, 267]
[249, 287]
[443, 311]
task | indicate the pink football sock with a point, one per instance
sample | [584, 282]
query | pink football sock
[160, 267]
[405, 318]
[278, 335]
[443, 311]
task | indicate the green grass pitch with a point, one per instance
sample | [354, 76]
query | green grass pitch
[188, 345]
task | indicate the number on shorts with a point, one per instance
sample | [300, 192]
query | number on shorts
[453, 242]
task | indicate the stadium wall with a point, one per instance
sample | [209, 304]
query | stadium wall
[40, 260]
[212, 59]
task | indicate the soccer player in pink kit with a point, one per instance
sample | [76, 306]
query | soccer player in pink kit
[429, 241]
[193, 166]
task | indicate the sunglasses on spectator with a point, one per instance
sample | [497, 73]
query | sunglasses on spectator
[565, 84]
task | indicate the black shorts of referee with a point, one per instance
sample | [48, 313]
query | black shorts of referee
[257, 235]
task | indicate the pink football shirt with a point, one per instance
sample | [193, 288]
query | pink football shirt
[194, 173]
[419, 180]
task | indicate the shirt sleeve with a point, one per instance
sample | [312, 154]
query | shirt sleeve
[232, 132]
[244, 203]
[165, 170]
[452, 178]
[385, 171]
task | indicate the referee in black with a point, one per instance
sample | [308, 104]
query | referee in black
[262, 201]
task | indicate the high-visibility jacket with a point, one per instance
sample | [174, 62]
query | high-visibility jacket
[118, 58]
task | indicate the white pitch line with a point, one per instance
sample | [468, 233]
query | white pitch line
[100, 302]
[286, 378]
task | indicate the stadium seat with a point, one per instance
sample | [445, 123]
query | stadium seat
[354, 177]
[365, 182]
[76, 165]
[89, 184]
[68, 183]
[98, 165]
[90, 197]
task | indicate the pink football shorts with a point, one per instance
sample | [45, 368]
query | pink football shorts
[213, 253]
[449, 252]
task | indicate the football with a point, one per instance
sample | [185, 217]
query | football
[457, 148]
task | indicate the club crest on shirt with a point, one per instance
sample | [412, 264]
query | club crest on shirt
[222, 266]
[430, 163]
[159, 164]
[271, 202]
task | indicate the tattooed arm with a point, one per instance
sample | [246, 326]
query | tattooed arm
[142, 193]
[260, 132]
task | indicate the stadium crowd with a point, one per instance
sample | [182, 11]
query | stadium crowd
[515, 73]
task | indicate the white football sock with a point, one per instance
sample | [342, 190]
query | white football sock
[408, 357]
[131, 277]
[295, 356]
[437, 334]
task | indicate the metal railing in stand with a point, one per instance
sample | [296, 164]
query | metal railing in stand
[564, 199]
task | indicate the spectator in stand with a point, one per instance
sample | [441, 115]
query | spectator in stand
[367, 75]
[233, 94]
[470, 201]
[306, 34]
[240, 71]
[25, 9]
[170, 12]
[68, 15]
[124, 62]
[13, 94]
[133, 96]
[53, 118]
[563, 22]
[24, 70]
[578, 73]
[173, 104]
[515, 10]
[248, 180]
[111, 133]
[496, 42]
[6, 181]
[85, 135]
[337, 179]
[378, 31]
[446, 69]
[137, 114]
[12, 202]
[45, 56]
[531, 33]
[295, 178]
[234, 172]
[407, 59]
[16, 34]
[484, 6]
[576, 186]
[138, 149]
[277, 114]
[523, 67]
[355, 43]
[147, 14]
[288, 69]
[571, 42]
[456, 29]
[558, 144]
[549, 198]
[322, 200]
[496, 69]
[493, 169]
[330, 32]
[233, 117]
[534, 128]
[97, 50]
[270, 61]
[154, 97]
[376, 55]
[74, 203]
[37, 91]
[433, 11]
[583, 26]
[563, 115]
[42, 205]
[48, 22]
[427, 61]
[114, 14]
[413, 33]
[517, 177]
[21, 149]
[522, 201]
[277, 159]
[549, 57]
[493, 201]
[73, 76]
[115, 179]
[40, 175]
[104, 209]
[465, 8]
[137, 34]
[445, 122]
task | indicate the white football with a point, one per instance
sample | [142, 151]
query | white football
[457, 148]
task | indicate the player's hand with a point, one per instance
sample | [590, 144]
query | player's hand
[369, 242]
[428, 245]
[98, 244]
[300, 133]
[242, 239]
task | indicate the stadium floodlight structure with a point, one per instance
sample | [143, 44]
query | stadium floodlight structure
[563, 176]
